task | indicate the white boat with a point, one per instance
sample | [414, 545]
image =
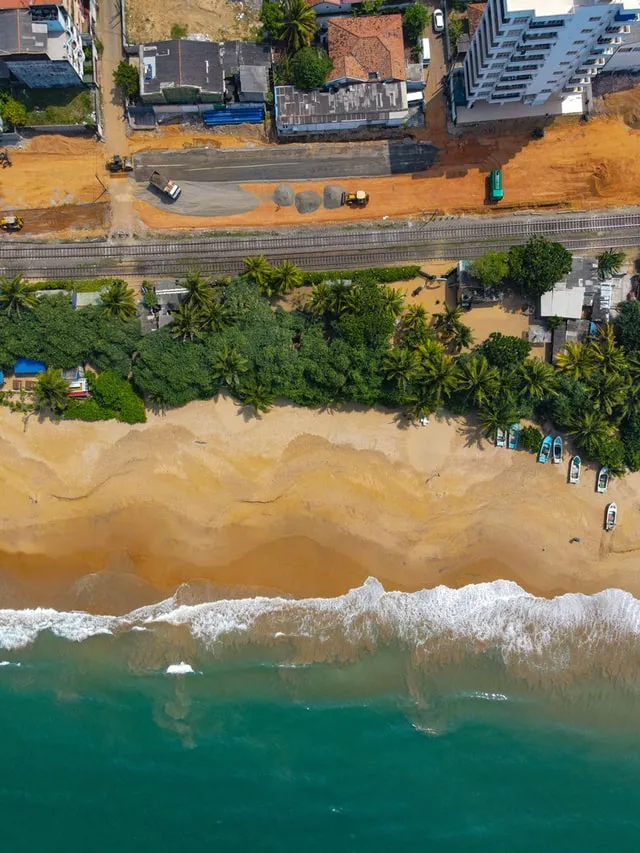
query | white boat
[557, 450]
[574, 470]
[501, 437]
[611, 517]
[602, 482]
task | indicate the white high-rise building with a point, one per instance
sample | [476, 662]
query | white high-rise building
[524, 51]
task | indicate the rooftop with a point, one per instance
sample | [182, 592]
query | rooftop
[568, 296]
[180, 63]
[549, 8]
[358, 102]
[474, 15]
[367, 49]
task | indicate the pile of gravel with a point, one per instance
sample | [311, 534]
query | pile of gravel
[307, 202]
[283, 195]
[332, 197]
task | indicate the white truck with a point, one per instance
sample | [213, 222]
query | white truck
[169, 188]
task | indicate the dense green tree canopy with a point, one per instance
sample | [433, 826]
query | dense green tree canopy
[491, 269]
[310, 67]
[505, 351]
[415, 19]
[538, 265]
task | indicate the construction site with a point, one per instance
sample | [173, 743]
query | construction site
[62, 187]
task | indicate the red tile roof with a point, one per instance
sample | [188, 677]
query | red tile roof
[474, 14]
[363, 47]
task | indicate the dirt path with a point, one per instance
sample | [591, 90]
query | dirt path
[123, 218]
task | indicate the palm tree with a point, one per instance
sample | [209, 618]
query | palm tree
[321, 299]
[186, 323]
[119, 301]
[215, 317]
[256, 397]
[446, 322]
[461, 337]
[421, 403]
[537, 379]
[576, 360]
[477, 378]
[498, 414]
[633, 366]
[609, 263]
[429, 349]
[50, 391]
[285, 277]
[414, 317]
[16, 295]
[439, 373]
[344, 297]
[298, 25]
[257, 270]
[591, 431]
[606, 352]
[394, 300]
[399, 366]
[228, 366]
[199, 292]
[610, 391]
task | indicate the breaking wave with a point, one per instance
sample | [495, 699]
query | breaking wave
[538, 638]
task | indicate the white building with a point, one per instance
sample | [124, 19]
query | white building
[526, 51]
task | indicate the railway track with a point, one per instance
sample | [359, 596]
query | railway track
[327, 249]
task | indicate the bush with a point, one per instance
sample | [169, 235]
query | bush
[112, 397]
[530, 439]
[99, 46]
[126, 76]
[377, 275]
[14, 112]
[456, 28]
[87, 410]
[179, 31]
[91, 285]
[415, 19]
[309, 67]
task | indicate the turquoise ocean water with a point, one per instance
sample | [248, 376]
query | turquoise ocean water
[482, 719]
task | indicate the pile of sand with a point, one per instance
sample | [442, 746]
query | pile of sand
[284, 195]
[332, 197]
[307, 202]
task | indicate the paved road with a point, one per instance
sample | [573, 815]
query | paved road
[328, 248]
[289, 162]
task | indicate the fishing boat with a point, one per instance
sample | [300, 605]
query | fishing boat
[602, 482]
[514, 436]
[574, 470]
[545, 449]
[501, 437]
[557, 450]
[611, 517]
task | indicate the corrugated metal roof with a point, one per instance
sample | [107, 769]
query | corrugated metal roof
[562, 301]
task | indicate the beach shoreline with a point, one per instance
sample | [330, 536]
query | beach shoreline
[105, 517]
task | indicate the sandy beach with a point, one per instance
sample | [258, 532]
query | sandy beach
[107, 517]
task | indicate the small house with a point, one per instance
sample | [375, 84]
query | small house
[78, 385]
[567, 298]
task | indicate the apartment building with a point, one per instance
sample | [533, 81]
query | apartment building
[525, 51]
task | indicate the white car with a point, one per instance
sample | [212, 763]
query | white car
[438, 21]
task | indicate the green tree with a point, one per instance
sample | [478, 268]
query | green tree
[13, 112]
[126, 76]
[537, 379]
[477, 378]
[610, 262]
[215, 317]
[420, 403]
[456, 27]
[149, 297]
[399, 366]
[285, 277]
[257, 270]
[186, 323]
[576, 360]
[118, 300]
[554, 323]
[498, 414]
[415, 19]
[439, 373]
[271, 16]
[538, 265]
[320, 301]
[446, 322]
[460, 338]
[591, 431]
[199, 292]
[394, 300]
[491, 268]
[228, 366]
[627, 325]
[505, 351]
[16, 295]
[298, 25]
[530, 439]
[609, 391]
[50, 391]
[256, 397]
[310, 67]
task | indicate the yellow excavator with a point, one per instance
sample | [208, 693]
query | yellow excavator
[357, 199]
[11, 223]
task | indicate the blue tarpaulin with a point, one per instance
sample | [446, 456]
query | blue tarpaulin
[234, 114]
[1, 378]
[27, 367]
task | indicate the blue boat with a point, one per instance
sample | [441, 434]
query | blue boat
[514, 436]
[545, 449]
[557, 450]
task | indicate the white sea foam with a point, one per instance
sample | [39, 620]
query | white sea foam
[9, 663]
[181, 668]
[497, 618]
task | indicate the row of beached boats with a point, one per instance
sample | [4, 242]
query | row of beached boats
[508, 438]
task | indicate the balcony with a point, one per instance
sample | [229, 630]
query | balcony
[610, 40]
[573, 90]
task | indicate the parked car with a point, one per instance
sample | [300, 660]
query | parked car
[438, 21]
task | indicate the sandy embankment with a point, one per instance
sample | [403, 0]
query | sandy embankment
[302, 502]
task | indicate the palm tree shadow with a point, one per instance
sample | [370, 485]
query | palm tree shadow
[473, 434]
[248, 413]
[402, 421]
